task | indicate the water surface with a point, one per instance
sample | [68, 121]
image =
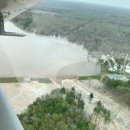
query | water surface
[36, 56]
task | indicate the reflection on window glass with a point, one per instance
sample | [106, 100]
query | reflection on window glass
[65, 65]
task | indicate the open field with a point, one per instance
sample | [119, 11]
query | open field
[21, 95]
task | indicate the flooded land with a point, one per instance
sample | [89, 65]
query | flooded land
[38, 56]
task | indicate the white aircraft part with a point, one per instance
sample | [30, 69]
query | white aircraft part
[8, 118]
[10, 9]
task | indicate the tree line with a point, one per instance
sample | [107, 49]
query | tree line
[61, 110]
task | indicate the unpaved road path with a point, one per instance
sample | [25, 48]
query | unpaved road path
[119, 114]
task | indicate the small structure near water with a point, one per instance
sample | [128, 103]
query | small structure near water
[118, 77]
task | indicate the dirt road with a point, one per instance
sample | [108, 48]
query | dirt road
[119, 114]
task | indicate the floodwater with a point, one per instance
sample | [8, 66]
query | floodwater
[36, 56]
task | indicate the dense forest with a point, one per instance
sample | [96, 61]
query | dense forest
[98, 28]
[62, 110]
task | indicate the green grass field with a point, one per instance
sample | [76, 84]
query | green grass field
[45, 80]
